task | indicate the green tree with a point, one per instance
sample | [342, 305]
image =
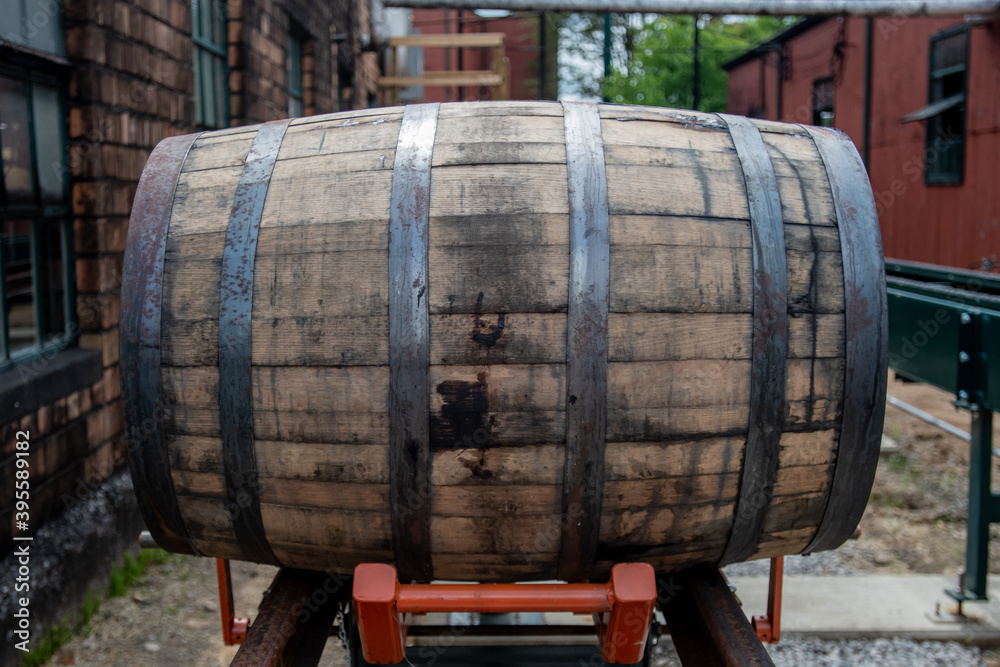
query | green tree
[658, 69]
[581, 50]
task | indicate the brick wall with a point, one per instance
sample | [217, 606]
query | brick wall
[258, 50]
[131, 87]
[130, 84]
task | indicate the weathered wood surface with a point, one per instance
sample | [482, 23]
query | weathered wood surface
[680, 338]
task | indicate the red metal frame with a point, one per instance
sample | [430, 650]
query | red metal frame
[234, 629]
[622, 608]
[768, 627]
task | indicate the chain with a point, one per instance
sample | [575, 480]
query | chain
[341, 621]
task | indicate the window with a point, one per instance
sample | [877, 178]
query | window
[36, 264]
[946, 98]
[211, 68]
[296, 44]
[33, 23]
[823, 102]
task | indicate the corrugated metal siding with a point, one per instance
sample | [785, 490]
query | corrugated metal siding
[951, 225]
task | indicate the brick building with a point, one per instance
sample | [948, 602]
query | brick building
[87, 89]
[919, 96]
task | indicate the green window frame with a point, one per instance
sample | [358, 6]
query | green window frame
[211, 63]
[37, 264]
[947, 85]
[296, 47]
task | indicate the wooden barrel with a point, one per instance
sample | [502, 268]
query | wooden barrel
[504, 341]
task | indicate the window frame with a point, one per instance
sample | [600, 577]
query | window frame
[203, 47]
[39, 213]
[933, 175]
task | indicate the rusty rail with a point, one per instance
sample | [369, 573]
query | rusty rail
[707, 624]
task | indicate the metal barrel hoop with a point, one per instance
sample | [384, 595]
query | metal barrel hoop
[770, 341]
[867, 343]
[409, 342]
[239, 458]
[587, 340]
[141, 308]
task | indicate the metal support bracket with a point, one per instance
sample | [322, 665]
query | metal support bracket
[768, 626]
[944, 327]
[234, 628]
[984, 508]
[622, 608]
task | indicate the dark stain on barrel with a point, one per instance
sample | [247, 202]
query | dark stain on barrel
[478, 467]
[493, 332]
[486, 335]
[703, 180]
[463, 422]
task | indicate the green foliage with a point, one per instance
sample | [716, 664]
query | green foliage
[91, 605]
[46, 646]
[659, 67]
[124, 576]
[898, 462]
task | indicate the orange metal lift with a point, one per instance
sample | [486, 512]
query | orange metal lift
[299, 609]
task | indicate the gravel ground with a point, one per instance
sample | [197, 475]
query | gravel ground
[829, 563]
[809, 652]
[881, 652]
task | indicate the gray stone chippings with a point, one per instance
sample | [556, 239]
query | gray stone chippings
[875, 652]
[825, 563]
[811, 652]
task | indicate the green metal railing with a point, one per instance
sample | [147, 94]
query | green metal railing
[944, 329]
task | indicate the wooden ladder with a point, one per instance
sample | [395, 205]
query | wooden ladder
[497, 77]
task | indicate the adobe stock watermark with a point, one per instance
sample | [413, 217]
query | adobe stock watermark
[22, 540]
[913, 168]
[917, 340]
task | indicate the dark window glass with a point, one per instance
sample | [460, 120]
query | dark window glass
[295, 48]
[33, 23]
[946, 130]
[49, 149]
[211, 67]
[823, 102]
[19, 278]
[35, 263]
[15, 140]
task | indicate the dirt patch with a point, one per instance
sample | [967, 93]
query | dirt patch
[915, 520]
[172, 617]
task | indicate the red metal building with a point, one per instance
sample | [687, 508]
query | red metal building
[920, 97]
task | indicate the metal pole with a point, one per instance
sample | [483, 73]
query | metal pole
[896, 8]
[920, 414]
[607, 55]
[542, 61]
[696, 83]
[867, 113]
[981, 502]
[461, 57]
[780, 80]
